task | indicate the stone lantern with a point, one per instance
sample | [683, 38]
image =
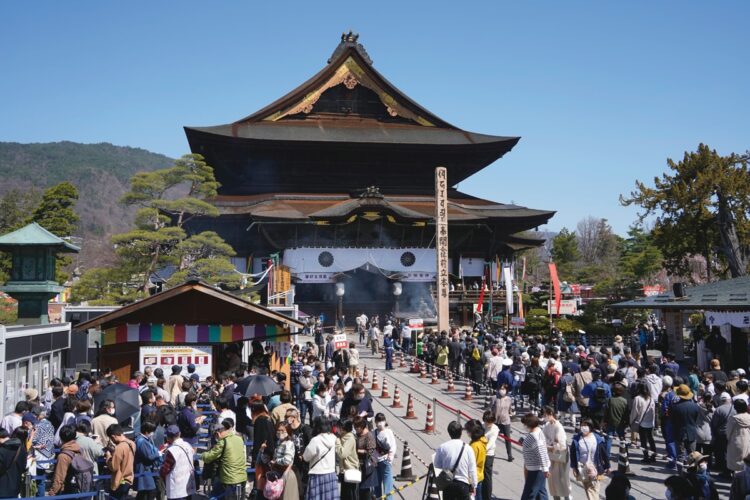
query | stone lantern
[32, 276]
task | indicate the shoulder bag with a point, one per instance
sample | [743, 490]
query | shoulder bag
[446, 476]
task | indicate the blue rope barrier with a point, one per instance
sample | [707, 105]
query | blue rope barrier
[90, 494]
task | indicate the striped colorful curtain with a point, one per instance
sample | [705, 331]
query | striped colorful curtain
[191, 334]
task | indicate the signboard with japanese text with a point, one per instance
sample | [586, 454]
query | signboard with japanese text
[567, 306]
[340, 342]
[165, 357]
[441, 238]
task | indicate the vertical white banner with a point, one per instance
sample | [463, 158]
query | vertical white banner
[508, 289]
[441, 245]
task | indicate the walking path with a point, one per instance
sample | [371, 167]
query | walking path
[647, 480]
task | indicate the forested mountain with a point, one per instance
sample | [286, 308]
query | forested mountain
[100, 172]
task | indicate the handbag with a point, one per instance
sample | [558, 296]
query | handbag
[446, 476]
[273, 488]
[353, 476]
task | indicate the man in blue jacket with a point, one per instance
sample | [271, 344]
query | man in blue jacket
[598, 393]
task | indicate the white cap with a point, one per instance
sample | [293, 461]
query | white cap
[740, 372]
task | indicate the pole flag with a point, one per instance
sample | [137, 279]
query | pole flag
[497, 270]
[556, 284]
[520, 304]
[508, 289]
[481, 295]
[523, 273]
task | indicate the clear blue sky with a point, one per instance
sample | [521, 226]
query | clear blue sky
[601, 92]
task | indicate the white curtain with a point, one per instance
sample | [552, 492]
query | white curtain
[389, 260]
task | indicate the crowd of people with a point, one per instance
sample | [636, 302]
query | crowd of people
[317, 435]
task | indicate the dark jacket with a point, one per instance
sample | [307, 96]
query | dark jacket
[147, 459]
[12, 465]
[364, 405]
[187, 424]
[57, 413]
[263, 432]
[686, 418]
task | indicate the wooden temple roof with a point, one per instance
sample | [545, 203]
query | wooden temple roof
[311, 207]
[347, 106]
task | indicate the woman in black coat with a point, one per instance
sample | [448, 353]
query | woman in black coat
[12, 464]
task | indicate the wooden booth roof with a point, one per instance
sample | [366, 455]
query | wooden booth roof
[192, 303]
[725, 295]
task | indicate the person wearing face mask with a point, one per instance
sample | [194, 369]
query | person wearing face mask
[356, 404]
[557, 448]
[283, 459]
[301, 434]
[503, 411]
[104, 418]
[385, 452]
[491, 432]
[588, 459]
[334, 406]
[697, 474]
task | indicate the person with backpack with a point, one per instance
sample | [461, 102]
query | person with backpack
[475, 366]
[74, 473]
[598, 393]
[551, 383]
[533, 383]
[147, 460]
[229, 452]
[567, 396]
[12, 465]
[120, 462]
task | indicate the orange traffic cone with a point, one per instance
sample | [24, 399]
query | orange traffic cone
[434, 380]
[468, 394]
[429, 426]
[396, 398]
[415, 366]
[450, 387]
[422, 371]
[375, 385]
[402, 361]
[410, 409]
[385, 394]
[365, 376]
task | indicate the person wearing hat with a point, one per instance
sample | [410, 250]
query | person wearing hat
[719, 420]
[177, 470]
[686, 418]
[697, 474]
[618, 342]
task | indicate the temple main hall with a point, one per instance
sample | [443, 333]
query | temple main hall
[335, 181]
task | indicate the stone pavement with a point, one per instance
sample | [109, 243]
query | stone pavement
[647, 480]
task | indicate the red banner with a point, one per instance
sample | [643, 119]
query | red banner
[481, 297]
[556, 284]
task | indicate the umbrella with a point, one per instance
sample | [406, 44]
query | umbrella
[257, 384]
[127, 400]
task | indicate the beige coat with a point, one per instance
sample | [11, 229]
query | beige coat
[738, 440]
[557, 448]
[579, 382]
